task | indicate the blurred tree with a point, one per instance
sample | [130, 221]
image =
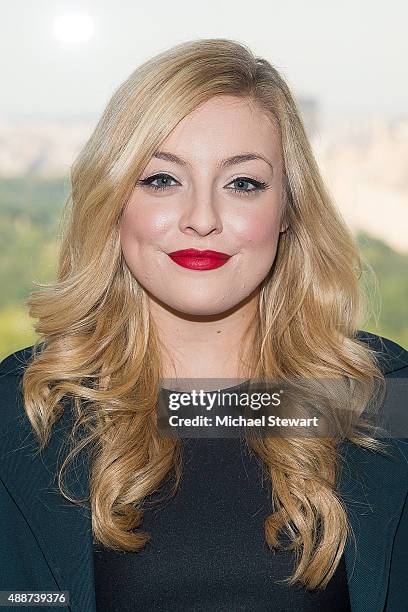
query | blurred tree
[391, 270]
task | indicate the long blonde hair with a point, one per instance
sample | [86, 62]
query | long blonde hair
[97, 343]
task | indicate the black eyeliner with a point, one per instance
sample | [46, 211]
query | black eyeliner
[259, 185]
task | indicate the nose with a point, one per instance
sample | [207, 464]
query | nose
[201, 215]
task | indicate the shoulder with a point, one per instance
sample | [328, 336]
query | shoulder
[392, 359]
[15, 363]
[11, 372]
[391, 356]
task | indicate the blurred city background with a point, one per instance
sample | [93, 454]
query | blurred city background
[344, 65]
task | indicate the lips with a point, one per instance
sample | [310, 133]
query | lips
[199, 260]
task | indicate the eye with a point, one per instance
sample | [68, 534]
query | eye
[242, 180]
[166, 178]
[148, 181]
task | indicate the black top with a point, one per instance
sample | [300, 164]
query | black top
[207, 550]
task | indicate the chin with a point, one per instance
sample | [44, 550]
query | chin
[200, 309]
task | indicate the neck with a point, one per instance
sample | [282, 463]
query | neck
[205, 346]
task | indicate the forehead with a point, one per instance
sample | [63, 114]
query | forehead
[225, 125]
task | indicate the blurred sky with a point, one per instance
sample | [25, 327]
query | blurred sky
[349, 55]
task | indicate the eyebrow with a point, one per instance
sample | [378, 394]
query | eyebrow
[225, 163]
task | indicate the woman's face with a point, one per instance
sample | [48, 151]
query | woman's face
[197, 207]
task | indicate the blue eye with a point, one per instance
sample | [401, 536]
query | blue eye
[149, 182]
[258, 185]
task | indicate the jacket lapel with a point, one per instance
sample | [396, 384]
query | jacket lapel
[372, 487]
[62, 529]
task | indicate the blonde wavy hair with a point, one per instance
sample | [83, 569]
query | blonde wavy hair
[98, 346]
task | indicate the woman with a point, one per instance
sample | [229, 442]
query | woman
[202, 148]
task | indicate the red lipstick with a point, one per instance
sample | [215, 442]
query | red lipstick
[199, 260]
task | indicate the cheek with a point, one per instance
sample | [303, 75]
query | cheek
[142, 229]
[258, 236]
[142, 225]
[258, 232]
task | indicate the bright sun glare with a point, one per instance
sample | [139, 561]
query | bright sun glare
[73, 28]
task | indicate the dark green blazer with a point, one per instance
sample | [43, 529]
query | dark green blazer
[46, 541]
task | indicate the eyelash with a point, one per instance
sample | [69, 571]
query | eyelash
[147, 182]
